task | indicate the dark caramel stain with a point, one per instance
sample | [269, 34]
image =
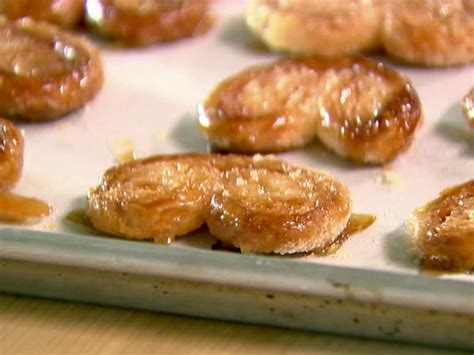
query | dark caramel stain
[357, 223]
[79, 216]
[220, 245]
[437, 268]
[16, 208]
[257, 46]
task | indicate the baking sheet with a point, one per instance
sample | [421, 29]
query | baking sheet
[149, 100]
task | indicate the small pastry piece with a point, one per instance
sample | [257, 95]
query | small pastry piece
[431, 32]
[267, 206]
[357, 107]
[11, 154]
[157, 198]
[143, 22]
[468, 107]
[442, 231]
[64, 13]
[326, 28]
[367, 111]
[262, 109]
[45, 73]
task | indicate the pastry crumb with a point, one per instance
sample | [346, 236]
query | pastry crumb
[389, 177]
[123, 150]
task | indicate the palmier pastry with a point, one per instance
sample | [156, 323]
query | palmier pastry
[359, 108]
[442, 231]
[45, 73]
[257, 204]
[143, 22]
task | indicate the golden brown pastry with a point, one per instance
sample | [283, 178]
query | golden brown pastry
[45, 73]
[468, 107]
[326, 28]
[258, 204]
[64, 13]
[11, 154]
[357, 107]
[157, 198]
[267, 206]
[443, 230]
[431, 32]
[143, 22]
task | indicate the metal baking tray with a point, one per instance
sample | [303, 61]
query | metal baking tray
[371, 287]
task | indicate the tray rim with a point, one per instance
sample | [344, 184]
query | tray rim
[248, 271]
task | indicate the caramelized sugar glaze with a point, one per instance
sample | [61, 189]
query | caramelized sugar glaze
[45, 73]
[14, 207]
[143, 22]
[443, 230]
[64, 13]
[357, 107]
[258, 204]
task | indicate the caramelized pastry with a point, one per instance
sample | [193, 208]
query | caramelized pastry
[259, 204]
[143, 22]
[64, 13]
[357, 107]
[267, 206]
[468, 107]
[11, 154]
[443, 230]
[431, 32]
[45, 73]
[157, 198]
[326, 28]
